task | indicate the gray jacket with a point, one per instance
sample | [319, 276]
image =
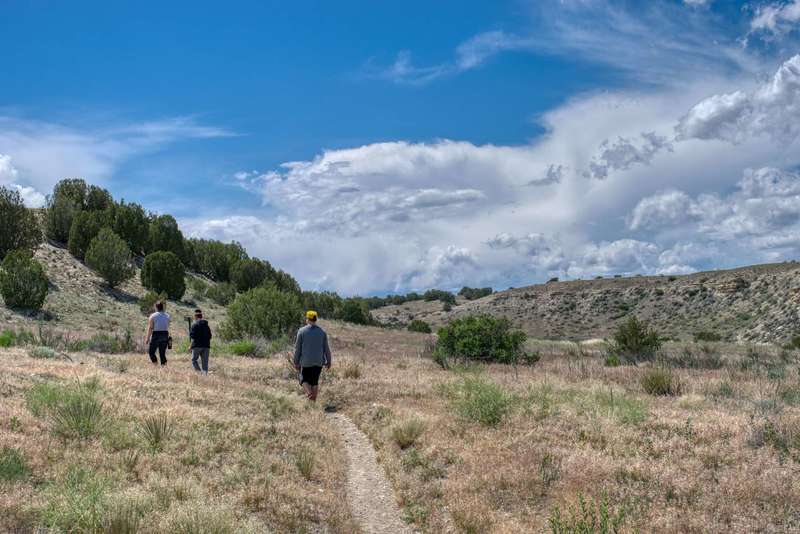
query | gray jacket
[311, 348]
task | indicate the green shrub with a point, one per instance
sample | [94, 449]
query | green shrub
[634, 340]
[131, 224]
[8, 338]
[20, 230]
[481, 401]
[264, 312]
[249, 273]
[661, 381]
[86, 225]
[474, 293]
[23, 282]
[41, 398]
[354, 310]
[12, 465]
[407, 433]
[587, 517]
[165, 236]
[163, 272]
[76, 503]
[418, 325]
[248, 347]
[325, 303]
[155, 430]
[60, 212]
[707, 336]
[213, 258]
[198, 286]
[482, 338]
[222, 293]
[612, 360]
[45, 353]
[437, 294]
[148, 301]
[109, 344]
[110, 256]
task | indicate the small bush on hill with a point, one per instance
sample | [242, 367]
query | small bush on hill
[634, 340]
[262, 312]
[214, 258]
[438, 294]
[23, 282]
[20, 230]
[198, 286]
[163, 272]
[44, 353]
[474, 293]
[706, 336]
[222, 293]
[8, 338]
[255, 348]
[110, 256]
[418, 325]
[148, 301]
[58, 217]
[482, 338]
[85, 227]
[354, 310]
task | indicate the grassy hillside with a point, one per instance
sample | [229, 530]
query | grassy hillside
[80, 304]
[758, 303]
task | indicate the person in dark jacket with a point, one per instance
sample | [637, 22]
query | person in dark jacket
[200, 335]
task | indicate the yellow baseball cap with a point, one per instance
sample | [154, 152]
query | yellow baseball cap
[311, 314]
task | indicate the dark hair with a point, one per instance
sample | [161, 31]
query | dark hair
[198, 312]
[160, 305]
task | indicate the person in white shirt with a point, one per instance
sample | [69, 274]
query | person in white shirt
[157, 337]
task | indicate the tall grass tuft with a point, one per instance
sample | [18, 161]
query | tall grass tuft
[122, 517]
[587, 517]
[155, 430]
[352, 369]
[305, 461]
[12, 465]
[76, 503]
[407, 433]
[43, 353]
[661, 381]
[481, 401]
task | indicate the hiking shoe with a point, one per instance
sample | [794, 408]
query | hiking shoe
[330, 408]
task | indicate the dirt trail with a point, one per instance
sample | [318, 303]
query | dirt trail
[371, 496]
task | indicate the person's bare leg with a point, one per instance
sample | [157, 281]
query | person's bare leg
[314, 393]
[309, 391]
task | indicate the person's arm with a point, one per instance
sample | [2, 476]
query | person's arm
[326, 351]
[298, 350]
[149, 333]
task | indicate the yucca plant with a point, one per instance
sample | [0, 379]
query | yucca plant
[78, 416]
[155, 430]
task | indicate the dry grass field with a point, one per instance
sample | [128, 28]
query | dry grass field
[708, 443]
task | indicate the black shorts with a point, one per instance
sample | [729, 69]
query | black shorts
[310, 375]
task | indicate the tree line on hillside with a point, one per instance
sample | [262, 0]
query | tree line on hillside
[107, 235]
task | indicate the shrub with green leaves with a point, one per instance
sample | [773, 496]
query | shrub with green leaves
[132, 225]
[324, 303]
[474, 293]
[249, 273]
[481, 338]
[221, 293]
[418, 325]
[20, 230]
[155, 430]
[23, 282]
[438, 294]
[634, 341]
[86, 225]
[263, 312]
[164, 272]
[165, 236]
[354, 310]
[61, 210]
[110, 256]
[79, 416]
[76, 502]
[44, 353]
[8, 338]
[661, 381]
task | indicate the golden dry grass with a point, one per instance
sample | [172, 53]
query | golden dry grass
[720, 456]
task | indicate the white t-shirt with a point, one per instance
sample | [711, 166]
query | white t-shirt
[160, 322]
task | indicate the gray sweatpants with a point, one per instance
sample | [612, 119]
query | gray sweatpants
[203, 355]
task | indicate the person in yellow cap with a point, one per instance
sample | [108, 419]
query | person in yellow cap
[311, 354]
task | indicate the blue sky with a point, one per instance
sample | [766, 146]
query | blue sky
[372, 147]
